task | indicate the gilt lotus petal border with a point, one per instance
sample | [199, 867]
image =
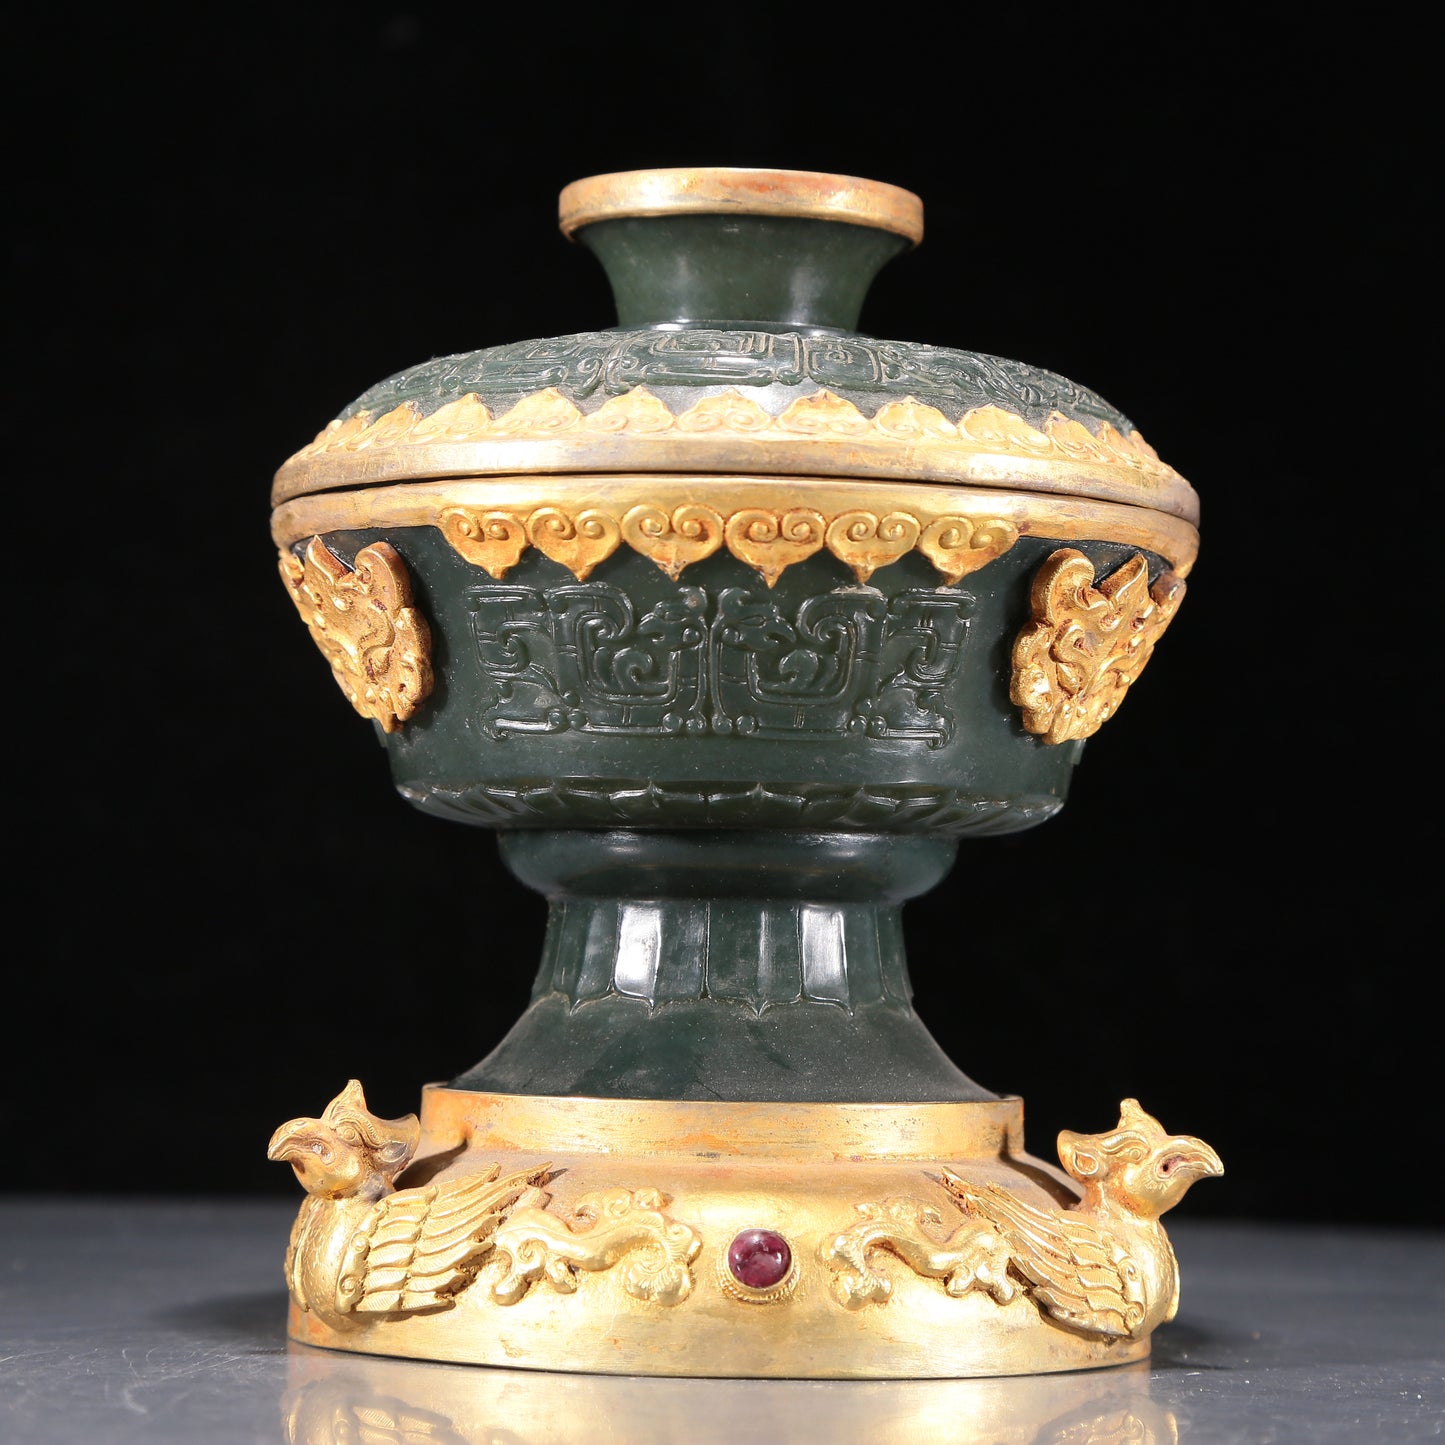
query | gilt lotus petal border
[821, 431]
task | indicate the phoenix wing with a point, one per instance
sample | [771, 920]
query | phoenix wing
[418, 1248]
[1080, 1274]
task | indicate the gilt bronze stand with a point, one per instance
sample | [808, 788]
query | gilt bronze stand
[733, 622]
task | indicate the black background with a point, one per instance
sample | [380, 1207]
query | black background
[225, 231]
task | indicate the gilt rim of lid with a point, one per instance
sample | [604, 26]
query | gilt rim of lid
[740, 190]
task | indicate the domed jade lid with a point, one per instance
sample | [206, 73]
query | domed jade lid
[737, 293]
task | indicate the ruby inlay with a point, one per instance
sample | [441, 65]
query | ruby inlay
[759, 1258]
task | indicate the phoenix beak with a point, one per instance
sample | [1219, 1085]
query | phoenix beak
[292, 1140]
[1195, 1157]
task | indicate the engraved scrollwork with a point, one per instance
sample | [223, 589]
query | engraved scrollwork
[518, 659]
[676, 536]
[675, 539]
[1073, 664]
[363, 620]
[607, 1227]
[958, 546]
[865, 541]
[922, 653]
[698, 357]
[491, 540]
[581, 658]
[771, 541]
[635, 411]
[617, 361]
[775, 675]
[1005, 431]
[392, 429]
[824, 412]
[579, 542]
[909, 420]
[544, 414]
[729, 412]
[456, 421]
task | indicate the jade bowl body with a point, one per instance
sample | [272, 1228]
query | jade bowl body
[732, 621]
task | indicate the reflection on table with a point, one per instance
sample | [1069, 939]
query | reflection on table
[336, 1399]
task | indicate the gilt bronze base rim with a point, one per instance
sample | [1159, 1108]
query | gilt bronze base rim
[801, 1133]
[617, 1239]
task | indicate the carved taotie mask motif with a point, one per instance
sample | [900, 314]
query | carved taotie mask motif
[1086, 645]
[363, 620]
[733, 663]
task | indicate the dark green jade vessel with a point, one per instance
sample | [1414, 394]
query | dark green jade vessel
[732, 622]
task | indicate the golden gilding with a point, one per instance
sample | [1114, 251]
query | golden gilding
[607, 1253]
[362, 619]
[1073, 664]
[821, 434]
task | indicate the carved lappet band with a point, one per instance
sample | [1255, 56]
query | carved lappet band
[626, 802]
[766, 538]
[769, 523]
[639, 412]
[820, 434]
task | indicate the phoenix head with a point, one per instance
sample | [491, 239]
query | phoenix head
[1137, 1165]
[347, 1152]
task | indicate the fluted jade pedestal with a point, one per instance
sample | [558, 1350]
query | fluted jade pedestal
[732, 622]
[724, 965]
